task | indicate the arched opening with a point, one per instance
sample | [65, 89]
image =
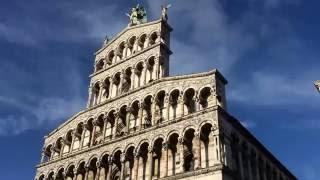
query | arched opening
[116, 84]
[78, 136]
[98, 135]
[173, 104]
[188, 154]
[110, 124]
[120, 52]
[253, 163]
[147, 115]
[150, 76]
[153, 38]
[106, 88]
[245, 161]
[47, 153]
[88, 133]
[92, 171]
[58, 147]
[116, 166]
[133, 122]
[205, 93]
[81, 171]
[161, 72]
[189, 101]
[67, 142]
[172, 154]
[50, 176]
[142, 42]
[139, 74]
[95, 94]
[41, 177]
[157, 158]
[60, 174]
[104, 169]
[206, 146]
[126, 80]
[235, 153]
[143, 159]
[70, 173]
[111, 58]
[160, 107]
[100, 65]
[261, 169]
[129, 163]
[122, 122]
[131, 46]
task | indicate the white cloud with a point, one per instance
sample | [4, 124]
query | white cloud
[47, 112]
[249, 124]
[16, 35]
[267, 88]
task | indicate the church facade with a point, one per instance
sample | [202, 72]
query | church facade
[142, 124]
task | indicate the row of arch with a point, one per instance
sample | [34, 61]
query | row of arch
[127, 48]
[193, 149]
[172, 154]
[120, 82]
[130, 118]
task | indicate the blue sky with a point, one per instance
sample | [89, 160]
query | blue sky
[267, 49]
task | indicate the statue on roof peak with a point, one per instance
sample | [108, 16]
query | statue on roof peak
[164, 12]
[138, 15]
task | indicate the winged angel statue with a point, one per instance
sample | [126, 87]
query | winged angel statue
[138, 15]
[164, 12]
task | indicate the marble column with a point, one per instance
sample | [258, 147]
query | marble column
[116, 125]
[197, 150]
[105, 122]
[165, 163]
[120, 84]
[73, 133]
[74, 174]
[128, 115]
[97, 176]
[42, 156]
[132, 78]
[150, 163]
[141, 115]
[122, 160]
[90, 96]
[86, 173]
[82, 136]
[181, 154]
[93, 133]
[136, 166]
[109, 167]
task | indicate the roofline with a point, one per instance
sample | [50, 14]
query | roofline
[132, 27]
[258, 144]
[170, 78]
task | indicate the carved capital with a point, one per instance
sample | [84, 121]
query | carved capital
[180, 140]
[123, 158]
[110, 160]
[150, 149]
[98, 164]
[165, 146]
[129, 109]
